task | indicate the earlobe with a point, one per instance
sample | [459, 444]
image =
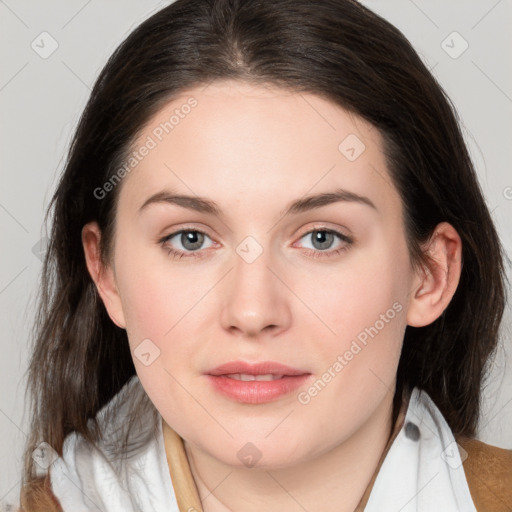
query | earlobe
[103, 276]
[435, 282]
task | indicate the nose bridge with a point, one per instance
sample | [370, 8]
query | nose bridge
[256, 299]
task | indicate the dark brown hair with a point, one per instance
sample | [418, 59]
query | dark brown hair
[336, 49]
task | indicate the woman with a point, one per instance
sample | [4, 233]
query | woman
[322, 341]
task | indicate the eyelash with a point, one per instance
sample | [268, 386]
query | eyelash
[176, 254]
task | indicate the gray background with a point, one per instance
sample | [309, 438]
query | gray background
[42, 98]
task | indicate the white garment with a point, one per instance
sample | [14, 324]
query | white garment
[422, 471]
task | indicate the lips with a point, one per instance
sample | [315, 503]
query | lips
[255, 383]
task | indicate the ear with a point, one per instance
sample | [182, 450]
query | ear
[435, 283]
[102, 275]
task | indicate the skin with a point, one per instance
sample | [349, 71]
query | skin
[267, 147]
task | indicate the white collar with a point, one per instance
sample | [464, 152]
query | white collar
[423, 469]
[90, 480]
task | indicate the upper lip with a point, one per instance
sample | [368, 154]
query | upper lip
[261, 368]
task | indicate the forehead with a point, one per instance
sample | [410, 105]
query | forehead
[232, 139]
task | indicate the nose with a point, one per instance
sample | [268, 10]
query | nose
[255, 300]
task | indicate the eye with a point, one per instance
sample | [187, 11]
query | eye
[323, 239]
[191, 241]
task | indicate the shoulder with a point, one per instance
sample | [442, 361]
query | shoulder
[100, 466]
[488, 471]
[37, 496]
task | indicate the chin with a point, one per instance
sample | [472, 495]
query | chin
[258, 453]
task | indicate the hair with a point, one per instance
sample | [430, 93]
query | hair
[336, 49]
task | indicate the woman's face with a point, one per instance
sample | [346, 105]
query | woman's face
[294, 253]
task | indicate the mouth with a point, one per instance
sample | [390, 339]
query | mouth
[248, 377]
[255, 383]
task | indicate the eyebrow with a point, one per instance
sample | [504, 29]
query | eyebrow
[203, 205]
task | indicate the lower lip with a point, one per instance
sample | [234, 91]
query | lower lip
[256, 391]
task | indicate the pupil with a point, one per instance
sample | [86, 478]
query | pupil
[187, 239]
[320, 237]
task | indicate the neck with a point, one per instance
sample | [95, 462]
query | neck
[334, 481]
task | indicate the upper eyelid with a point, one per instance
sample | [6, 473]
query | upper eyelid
[326, 228]
[181, 230]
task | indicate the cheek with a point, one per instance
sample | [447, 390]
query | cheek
[159, 306]
[350, 300]
[364, 304]
[168, 313]
[147, 305]
[154, 293]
